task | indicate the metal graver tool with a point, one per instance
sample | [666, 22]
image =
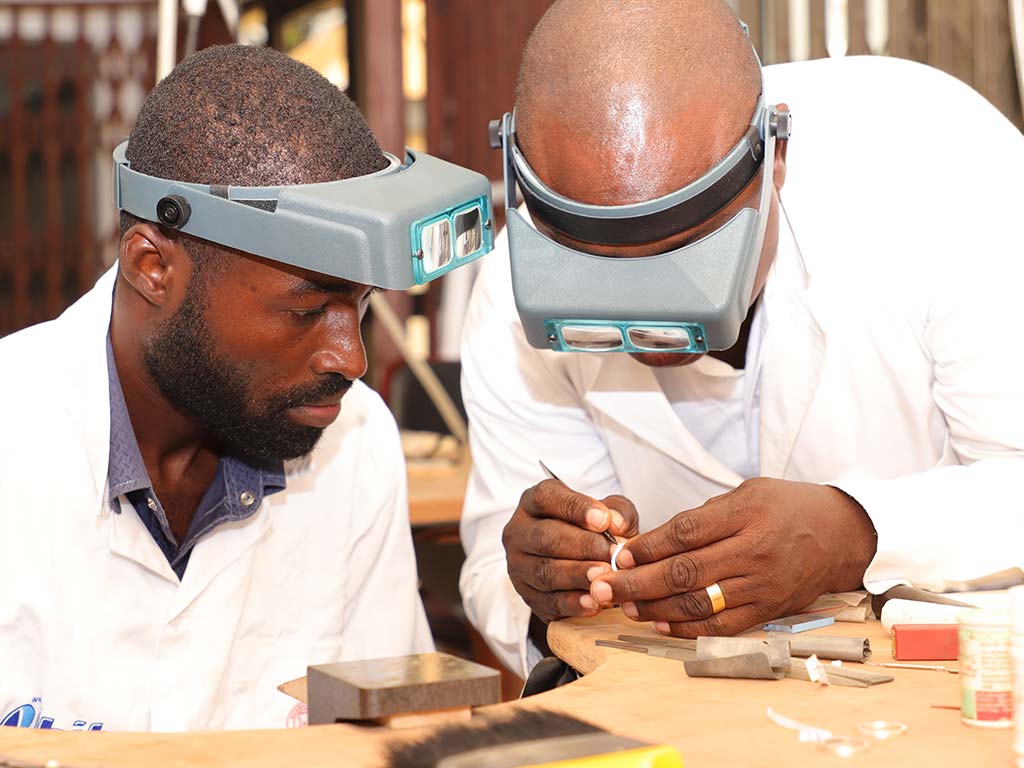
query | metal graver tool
[822, 646]
[900, 665]
[776, 652]
[607, 534]
[710, 657]
[663, 652]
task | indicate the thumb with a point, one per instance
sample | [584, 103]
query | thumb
[625, 519]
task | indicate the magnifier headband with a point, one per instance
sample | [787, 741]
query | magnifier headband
[402, 226]
[650, 220]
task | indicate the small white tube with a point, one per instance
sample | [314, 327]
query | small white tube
[914, 612]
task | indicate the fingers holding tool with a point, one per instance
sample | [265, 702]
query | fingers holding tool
[558, 541]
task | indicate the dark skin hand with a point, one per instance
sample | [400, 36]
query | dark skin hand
[773, 546]
[554, 547]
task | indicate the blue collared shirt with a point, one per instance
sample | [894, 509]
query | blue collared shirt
[236, 492]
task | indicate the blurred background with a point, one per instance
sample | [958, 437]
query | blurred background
[429, 74]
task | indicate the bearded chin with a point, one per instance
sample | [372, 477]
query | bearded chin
[182, 360]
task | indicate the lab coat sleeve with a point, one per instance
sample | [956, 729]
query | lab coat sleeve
[964, 519]
[385, 615]
[513, 395]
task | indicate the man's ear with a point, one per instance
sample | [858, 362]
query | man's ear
[155, 265]
[779, 171]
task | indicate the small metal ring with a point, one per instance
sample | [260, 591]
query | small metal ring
[882, 729]
[844, 746]
[615, 554]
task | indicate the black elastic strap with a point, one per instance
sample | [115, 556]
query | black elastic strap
[654, 226]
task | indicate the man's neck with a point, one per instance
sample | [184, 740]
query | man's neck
[180, 465]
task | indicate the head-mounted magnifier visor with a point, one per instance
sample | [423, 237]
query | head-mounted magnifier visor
[401, 226]
[688, 300]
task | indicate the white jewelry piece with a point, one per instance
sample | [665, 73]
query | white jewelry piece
[615, 554]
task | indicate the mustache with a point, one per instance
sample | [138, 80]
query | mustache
[329, 385]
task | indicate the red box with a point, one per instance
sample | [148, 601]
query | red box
[925, 642]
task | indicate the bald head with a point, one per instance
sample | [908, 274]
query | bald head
[620, 101]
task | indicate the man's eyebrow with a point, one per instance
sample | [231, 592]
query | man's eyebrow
[305, 288]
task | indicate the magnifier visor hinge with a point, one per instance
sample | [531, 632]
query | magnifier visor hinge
[173, 211]
[494, 134]
[781, 123]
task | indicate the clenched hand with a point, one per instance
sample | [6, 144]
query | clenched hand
[554, 547]
[773, 546]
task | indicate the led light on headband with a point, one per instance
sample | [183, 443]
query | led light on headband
[690, 300]
[401, 226]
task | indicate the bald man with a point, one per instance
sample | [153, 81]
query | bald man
[867, 427]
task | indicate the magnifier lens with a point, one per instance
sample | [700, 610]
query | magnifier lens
[591, 337]
[658, 338]
[469, 232]
[436, 242]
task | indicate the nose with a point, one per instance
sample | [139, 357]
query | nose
[341, 350]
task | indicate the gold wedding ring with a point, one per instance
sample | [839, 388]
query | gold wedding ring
[716, 597]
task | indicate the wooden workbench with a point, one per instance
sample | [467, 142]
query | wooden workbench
[712, 722]
[436, 492]
[723, 722]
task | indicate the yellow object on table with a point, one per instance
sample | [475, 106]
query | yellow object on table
[644, 757]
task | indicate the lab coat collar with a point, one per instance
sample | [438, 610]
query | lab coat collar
[86, 323]
[130, 539]
[792, 353]
[213, 554]
[629, 393]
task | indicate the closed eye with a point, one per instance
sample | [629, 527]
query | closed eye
[308, 314]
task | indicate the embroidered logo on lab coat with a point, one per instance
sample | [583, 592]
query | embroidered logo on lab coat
[31, 716]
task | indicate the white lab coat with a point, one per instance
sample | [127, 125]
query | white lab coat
[94, 623]
[891, 364]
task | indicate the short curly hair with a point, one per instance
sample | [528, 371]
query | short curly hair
[246, 116]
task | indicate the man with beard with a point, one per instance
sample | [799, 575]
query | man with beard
[198, 498]
[859, 421]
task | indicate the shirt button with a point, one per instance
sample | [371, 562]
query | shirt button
[150, 503]
[246, 498]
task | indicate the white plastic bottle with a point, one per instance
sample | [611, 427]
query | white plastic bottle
[986, 677]
[1017, 652]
